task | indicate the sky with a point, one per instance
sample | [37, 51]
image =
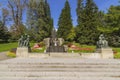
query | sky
[57, 5]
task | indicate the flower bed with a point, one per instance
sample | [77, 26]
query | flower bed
[83, 49]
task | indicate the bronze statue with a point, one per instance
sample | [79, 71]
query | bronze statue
[102, 43]
[24, 41]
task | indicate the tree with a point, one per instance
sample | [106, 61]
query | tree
[79, 10]
[112, 19]
[5, 14]
[80, 20]
[16, 8]
[65, 22]
[4, 34]
[39, 19]
[88, 21]
[71, 36]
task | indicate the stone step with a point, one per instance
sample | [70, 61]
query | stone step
[59, 78]
[61, 60]
[59, 74]
[61, 70]
[62, 63]
[58, 66]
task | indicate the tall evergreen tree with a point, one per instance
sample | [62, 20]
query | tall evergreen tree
[49, 20]
[87, 22]
[39, 18]
[79, 11]
[65, 22]
[80, 19]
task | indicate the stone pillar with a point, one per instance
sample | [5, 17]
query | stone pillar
[22, 52]
[47, 42]
[61, 41]
[106, 53]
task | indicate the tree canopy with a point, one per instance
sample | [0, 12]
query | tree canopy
[65, 26]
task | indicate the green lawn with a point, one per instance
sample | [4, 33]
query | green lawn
[9, 46]
[117, 49]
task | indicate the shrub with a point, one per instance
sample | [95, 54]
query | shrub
[42, 44]
[11, 54]
[13, 50]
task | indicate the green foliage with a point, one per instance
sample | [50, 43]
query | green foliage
[71, 35]
[117, 50]
[88, 20]
[65, 28]
[11, 54]
[116, 53]
[42, 44]
[15, 35]
[4, 34]
[112, 19]
[117, 56]
[39, 20]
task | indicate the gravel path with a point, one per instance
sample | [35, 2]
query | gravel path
[3, 56]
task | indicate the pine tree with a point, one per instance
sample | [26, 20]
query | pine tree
[39, 18]
[65, 22]
[49, 20]
[80, 19]
[79, 11]
[87, 23]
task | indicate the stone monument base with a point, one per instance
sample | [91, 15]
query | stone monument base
[22, 52]
[106, 53]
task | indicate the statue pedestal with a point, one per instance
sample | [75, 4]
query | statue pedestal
[106, 53]
[22, 52]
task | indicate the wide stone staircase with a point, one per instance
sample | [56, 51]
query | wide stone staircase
[59, 69]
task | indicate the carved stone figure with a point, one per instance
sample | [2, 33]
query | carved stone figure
[102, 43]
[56, 42]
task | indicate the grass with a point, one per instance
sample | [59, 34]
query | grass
[117, 55]
[117, 49]
[9, 46]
